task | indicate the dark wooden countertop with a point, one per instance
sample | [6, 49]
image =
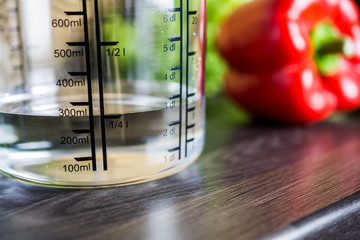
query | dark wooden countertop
[258, 181]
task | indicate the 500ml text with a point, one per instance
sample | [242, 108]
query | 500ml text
[68, 53]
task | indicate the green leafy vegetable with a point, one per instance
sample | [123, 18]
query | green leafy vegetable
[217, 11]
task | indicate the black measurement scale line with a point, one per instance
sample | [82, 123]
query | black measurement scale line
[181, 73]
[79, 104]
[174, 96]
[82, 131]
[113, 116]
[84, 159]
[174, 123]
[174, 149]
[191, 109]
[75, 13]
[174, 9]
[75, 44]
[87, 73]
[175, 39]
[187, 77]
[108, 43]
[78, 74]
[99, 44]
[174, 68]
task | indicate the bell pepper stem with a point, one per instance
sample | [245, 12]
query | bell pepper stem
[329, 46]
[343, 46]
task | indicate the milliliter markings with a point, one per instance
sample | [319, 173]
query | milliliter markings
[74, 140]
[62, 53]
[70, 83]
[176, 44]
[68, 53]
[66, 23]
[72, 112]
[77, 168]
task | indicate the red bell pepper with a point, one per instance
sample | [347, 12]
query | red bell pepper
[293, 60]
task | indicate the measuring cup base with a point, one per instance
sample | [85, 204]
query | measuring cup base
[92, 185]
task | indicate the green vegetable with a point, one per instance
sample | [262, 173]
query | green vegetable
[217, 11]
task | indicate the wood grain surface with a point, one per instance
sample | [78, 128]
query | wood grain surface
[251, 181]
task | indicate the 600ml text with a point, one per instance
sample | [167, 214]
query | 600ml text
[60, 23]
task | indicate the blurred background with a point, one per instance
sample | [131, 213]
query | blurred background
[217, 11]
[215, 66]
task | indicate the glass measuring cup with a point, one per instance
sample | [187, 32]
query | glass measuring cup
[100, 93]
